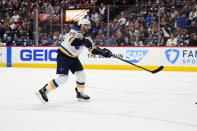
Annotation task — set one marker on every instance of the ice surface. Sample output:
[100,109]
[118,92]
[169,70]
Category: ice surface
[120,101]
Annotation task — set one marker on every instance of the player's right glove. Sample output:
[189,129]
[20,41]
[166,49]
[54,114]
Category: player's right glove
[106,53]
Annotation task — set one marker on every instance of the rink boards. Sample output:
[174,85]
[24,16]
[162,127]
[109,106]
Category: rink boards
[174,59]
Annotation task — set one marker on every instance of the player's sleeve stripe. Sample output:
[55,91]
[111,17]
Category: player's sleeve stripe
[71,40]
[66,53]
[91,50]
[80,83]
[66,50]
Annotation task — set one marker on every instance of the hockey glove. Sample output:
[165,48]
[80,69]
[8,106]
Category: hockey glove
[106,53]
[88,43]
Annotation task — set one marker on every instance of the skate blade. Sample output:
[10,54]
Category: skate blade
[82,100]
[40,98]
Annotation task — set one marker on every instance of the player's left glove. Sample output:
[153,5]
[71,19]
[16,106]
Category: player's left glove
[88,43]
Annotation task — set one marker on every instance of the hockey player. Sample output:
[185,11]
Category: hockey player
[67,59]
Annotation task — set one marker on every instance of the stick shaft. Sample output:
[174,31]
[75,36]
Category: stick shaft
[155,71]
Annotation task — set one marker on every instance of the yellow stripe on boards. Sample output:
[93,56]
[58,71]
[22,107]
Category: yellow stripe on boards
[117,67]
[2,64]
[176,68]
[34,65]
[111,67]
[130,67]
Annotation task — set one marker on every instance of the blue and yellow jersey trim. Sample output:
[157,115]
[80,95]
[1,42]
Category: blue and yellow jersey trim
[91,50]
[53,84]
[77,29]
[66,52]
[71,40]
[80,84]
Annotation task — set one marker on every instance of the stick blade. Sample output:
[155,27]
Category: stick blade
[158,69]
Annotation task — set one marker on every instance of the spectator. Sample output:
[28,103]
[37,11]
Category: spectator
[150,41]
[143,33]
[182,21]
[172,41]
[149,18]
[1,43]
[160,40]
[155,31]
[95,30]
[2,29]
[102,37]
[185,36]
[137,41]
[193,40]
[174,12]
[29,42]
[112,40]
[192,28]
[45,40]
[48,9]
[131,33]
[93,1]
[16,41]
[95,16]
[193,14]
[178,31]
[116,27]
[119,38]
[97,41]
[122,19]
[180,41]
[15,16]
[102,10]
[56,41]
[126,36]
[170,24]
[9,41]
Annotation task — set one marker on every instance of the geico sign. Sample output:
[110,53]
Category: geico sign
[38,55]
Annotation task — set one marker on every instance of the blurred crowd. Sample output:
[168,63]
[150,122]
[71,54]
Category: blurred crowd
[175,25]
[147,23]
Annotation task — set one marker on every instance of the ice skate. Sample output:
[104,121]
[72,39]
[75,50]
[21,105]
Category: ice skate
[82,97]
[42,94]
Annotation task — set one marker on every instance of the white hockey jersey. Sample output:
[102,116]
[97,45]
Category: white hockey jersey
[66,46]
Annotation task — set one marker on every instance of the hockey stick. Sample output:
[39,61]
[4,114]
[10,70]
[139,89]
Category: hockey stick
[154,71]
